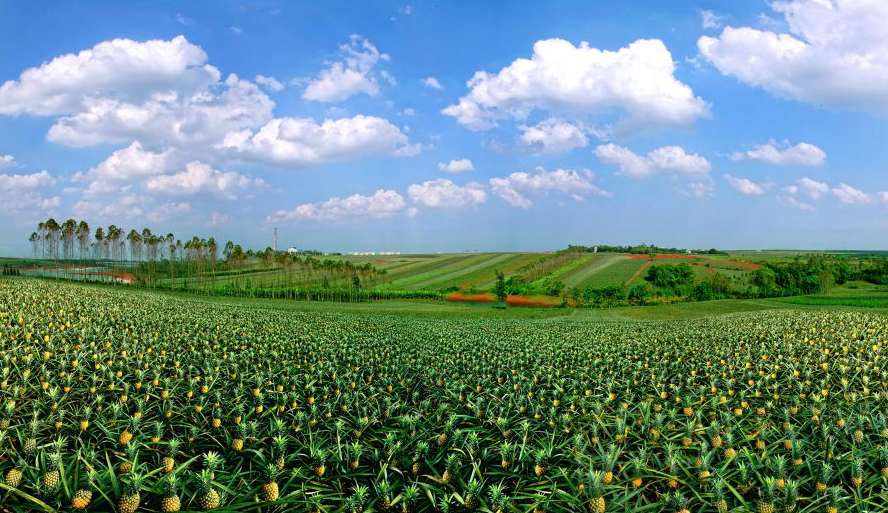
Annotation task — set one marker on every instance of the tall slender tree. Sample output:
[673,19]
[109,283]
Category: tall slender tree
[82,235]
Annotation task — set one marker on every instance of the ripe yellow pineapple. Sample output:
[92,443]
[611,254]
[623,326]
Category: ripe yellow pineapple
[83,496]
[270,491]
[130,498]
[171,501]
[595,486]
[52,476]
[14,476]
[208,497]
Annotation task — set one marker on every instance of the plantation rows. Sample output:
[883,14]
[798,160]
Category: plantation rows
[124,401]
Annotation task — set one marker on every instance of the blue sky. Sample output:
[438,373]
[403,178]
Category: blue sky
[356,126]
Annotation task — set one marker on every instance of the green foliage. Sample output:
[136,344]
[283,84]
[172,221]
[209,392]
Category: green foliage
[499,287]
[638,294]
[671,276]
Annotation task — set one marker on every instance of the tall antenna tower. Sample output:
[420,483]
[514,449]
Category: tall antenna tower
[275,240]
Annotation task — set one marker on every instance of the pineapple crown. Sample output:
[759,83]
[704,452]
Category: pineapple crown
[171,486]
[384,488]
[134,483]
[173,446]
[718,488]
[55,460]
[206,480]
[498,497]
[679,501]
[451,462]
[792,490]
[770,486]
[271,473]
[595,480]
[780,463]
[825,472]
[835,495]
[280,444]
[212,461]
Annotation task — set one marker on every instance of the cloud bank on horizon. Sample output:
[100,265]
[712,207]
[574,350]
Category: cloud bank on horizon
[362,130]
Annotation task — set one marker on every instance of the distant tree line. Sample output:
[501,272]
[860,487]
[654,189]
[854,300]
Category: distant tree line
[644,249]
[73,250]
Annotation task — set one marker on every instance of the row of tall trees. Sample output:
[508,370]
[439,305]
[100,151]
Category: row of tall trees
[74,250]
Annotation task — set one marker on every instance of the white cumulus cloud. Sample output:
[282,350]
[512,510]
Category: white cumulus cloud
[7,161]
[456,166]
[383,203]
[849,195]
[270,83]
[801,154]
[352,75]
[744,185]
[199,177]
[31,181]
[303,142]
[835,54]
[515,188]
[553,135]
[812,188]
[158,92]
[121,167]
[671,159]
[795,203]
[636,80]
[433,83]
[444,193]
[711,20]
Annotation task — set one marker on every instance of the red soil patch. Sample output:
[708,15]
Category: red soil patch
[526,301]
[481,298]
[383,261]
[638,272]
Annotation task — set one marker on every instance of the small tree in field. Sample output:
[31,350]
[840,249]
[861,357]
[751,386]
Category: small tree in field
[499,288]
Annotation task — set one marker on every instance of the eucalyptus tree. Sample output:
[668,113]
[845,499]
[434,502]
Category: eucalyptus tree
[82,235]
[34,239]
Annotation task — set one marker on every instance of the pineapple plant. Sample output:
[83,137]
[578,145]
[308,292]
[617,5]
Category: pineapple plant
[319,460]
[13,477]
[471,496]
[168,462]
[540,459]
[595,489]
[208,497]
[237,441]
[130,498]
[451,464]
[718,491]
[83,496]
[766,496]
[171,501]
[52,476]
[824,473]
[270,492]
[128,432]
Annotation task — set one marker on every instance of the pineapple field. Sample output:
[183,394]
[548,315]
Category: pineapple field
[117,400]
